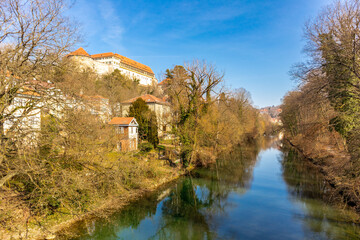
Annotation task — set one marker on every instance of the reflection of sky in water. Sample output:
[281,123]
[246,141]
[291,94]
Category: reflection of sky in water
[273,204]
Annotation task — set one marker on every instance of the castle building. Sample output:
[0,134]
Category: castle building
[104,63]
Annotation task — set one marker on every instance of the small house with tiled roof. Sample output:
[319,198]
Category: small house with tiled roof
[104,63]
[155,104]
[127,133]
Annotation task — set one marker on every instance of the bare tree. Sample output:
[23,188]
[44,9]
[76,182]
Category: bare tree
[334,47]
[192,89]
[34,36]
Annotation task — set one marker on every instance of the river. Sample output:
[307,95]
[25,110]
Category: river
[259,191]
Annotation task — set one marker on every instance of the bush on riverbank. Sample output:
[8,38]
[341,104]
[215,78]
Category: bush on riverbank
[73,171]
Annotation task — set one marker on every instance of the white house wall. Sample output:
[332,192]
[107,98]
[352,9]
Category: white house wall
[28,125]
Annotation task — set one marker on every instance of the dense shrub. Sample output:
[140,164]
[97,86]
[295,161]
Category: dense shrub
[146,147]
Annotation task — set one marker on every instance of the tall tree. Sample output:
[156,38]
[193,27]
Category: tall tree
[190,93]
[148,129]
[334,45]
[34,36]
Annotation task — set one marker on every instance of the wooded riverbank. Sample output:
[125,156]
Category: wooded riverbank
[237,198]
[65,230]
[145,173]
[321,116]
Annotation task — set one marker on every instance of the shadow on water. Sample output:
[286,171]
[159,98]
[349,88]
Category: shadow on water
[188,211]
[309,189]
[185,212]
[248,194]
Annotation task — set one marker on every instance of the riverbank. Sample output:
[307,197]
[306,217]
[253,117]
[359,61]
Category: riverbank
[141,173]
[65,230]
[337,169]
[238,198]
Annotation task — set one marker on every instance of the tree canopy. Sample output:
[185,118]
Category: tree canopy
[148,129]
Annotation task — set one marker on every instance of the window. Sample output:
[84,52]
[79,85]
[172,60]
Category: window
[119,130]
[131,130]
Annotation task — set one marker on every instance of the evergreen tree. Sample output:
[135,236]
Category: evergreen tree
[148,129]
[153,137]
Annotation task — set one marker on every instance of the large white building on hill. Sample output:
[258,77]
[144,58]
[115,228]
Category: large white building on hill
[104,63]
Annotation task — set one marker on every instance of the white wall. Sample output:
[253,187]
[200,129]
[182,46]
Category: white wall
[109,64]
[29,125]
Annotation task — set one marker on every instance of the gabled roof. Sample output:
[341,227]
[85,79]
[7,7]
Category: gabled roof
[125,60]
[166,81]
[79,52]
[122,121]
[147,98]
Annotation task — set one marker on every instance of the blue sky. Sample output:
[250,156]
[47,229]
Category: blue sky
[253,42]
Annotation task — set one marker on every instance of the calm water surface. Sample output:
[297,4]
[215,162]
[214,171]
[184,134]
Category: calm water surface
[260,191]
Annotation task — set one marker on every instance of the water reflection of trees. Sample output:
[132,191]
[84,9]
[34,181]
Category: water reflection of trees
[187,212]
[182,215]
[308,187]
[302,178]
[130,217]
[235,167]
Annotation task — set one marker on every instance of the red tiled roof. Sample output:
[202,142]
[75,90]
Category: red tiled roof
[121,120]
[125,60]
[100,55]
[147,98]
[79,52]
[165,81]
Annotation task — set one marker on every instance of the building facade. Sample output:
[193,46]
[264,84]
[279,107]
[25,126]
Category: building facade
[104,63]
[127,133]
[21,121]
[160,107]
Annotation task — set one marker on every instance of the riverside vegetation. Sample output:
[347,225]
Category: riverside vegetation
[322,117]
[71,167]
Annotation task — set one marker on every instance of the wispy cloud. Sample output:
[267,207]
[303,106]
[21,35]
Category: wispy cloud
[195,18]
[100,24]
